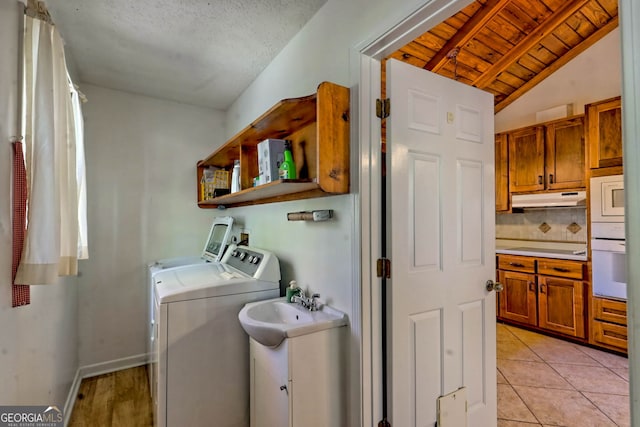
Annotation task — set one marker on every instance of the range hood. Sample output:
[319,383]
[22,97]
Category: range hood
[548,200]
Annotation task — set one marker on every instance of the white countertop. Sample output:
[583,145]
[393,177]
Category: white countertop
[558,250]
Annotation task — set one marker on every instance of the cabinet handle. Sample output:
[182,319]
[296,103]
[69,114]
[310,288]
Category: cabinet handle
[539,179]
[542,288]
[532,286]
[561,270]
[516,264]
[284,387]
[550,178]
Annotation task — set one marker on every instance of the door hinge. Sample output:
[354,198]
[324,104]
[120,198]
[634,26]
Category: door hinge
[383,108]
[383,268]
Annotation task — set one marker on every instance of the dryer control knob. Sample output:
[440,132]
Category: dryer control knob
[243,255]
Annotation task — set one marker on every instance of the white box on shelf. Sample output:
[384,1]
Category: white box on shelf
[270,155]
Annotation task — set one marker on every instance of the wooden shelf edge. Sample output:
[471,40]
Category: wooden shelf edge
[260,194]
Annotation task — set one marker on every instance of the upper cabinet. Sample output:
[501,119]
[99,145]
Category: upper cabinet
[565,154]
[526,159]
[318,128]
[604,133]
[547,157]
[502,172]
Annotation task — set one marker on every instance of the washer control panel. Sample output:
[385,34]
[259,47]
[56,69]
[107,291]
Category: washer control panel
[245,260]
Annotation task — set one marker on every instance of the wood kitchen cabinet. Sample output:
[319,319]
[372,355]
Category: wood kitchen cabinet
[526,159]
[609,324]
[502,172]
[548,157]
[604,133]
[544,293]
[565,154]
[561,305]
[518,299]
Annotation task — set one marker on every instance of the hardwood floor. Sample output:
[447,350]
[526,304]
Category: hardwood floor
[118,399]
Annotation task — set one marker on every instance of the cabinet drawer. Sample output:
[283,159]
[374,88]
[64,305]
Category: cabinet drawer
[560,268]
[609,334]
[517,263]
[610,311]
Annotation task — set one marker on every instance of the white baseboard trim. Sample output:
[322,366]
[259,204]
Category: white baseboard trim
[96,369]
[113,365]
[71,397]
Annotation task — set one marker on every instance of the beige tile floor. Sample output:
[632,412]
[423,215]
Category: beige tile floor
[544,381]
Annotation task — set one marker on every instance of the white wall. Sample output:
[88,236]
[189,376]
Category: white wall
[321,256]
[592,76]
[38,342]
[141,158]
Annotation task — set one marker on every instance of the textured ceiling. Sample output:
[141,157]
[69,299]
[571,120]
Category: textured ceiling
[192,51]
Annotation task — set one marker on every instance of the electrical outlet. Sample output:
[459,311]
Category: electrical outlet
[244,238]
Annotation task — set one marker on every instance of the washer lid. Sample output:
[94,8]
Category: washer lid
[204,281]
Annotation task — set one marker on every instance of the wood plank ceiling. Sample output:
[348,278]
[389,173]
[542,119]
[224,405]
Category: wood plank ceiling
[506,47]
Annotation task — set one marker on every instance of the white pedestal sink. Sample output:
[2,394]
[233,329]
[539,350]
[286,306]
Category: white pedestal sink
[271,321]
[297,364]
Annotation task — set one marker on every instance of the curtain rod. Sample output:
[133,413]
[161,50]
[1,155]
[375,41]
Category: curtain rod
[38,10]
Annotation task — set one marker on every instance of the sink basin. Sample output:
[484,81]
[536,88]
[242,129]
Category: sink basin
[271,321]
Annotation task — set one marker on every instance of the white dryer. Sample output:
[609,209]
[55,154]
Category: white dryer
[200,366]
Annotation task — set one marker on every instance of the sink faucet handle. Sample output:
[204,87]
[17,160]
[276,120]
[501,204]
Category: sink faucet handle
[313,304]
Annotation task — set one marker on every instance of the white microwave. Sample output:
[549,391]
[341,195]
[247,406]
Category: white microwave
[607,198]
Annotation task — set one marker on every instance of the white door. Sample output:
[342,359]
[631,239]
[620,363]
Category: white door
[441,231]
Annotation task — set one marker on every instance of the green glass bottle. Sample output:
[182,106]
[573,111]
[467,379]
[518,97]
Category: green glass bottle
[287,168]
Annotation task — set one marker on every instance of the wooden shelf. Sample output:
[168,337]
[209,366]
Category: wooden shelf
[275,191]
[318,128]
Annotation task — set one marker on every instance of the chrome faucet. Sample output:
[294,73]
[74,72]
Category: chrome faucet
[309,303]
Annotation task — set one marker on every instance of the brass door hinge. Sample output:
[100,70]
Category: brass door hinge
[383,108]
[383,268]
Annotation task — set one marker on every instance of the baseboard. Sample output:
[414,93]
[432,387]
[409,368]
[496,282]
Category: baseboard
[96,369]
[71,397]
[89,371]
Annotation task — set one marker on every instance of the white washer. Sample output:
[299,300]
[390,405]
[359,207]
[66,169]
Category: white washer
[217,242]
[200,364]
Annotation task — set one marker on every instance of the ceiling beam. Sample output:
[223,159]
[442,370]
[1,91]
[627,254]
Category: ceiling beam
[552,68]
[527,43]
[467,32]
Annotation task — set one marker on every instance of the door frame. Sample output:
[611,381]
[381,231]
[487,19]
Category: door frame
[365,71]
[365,68]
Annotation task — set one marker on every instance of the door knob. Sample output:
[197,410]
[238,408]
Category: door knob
[494,286]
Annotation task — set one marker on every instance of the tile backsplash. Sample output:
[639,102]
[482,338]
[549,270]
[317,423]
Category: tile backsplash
[553,224]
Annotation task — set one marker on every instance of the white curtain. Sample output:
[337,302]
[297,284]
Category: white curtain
[56,233]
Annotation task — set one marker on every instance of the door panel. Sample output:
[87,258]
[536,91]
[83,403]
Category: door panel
[441,231]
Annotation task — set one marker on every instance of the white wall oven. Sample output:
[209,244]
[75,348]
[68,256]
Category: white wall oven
[608,246]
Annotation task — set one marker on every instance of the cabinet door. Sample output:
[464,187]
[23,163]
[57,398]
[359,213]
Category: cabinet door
[502,172]
[561,304]
[270,385]
[518,298]
[526,159]
[604,133]
[565,155]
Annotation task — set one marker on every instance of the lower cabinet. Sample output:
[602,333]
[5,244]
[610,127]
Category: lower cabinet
[562,306]
[301,382]
[518,299]
[546,293]
[609,324]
